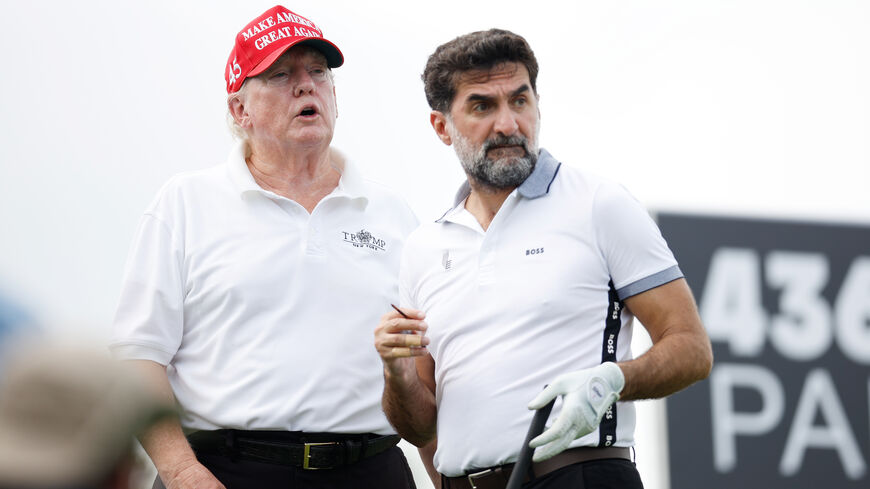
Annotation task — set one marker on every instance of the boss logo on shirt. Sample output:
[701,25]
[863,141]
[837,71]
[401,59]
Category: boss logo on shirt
[364,239]
[534,251]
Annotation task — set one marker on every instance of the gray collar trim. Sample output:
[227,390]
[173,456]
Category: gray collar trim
[536,185]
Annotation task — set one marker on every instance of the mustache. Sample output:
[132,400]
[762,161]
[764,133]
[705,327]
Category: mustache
[506,141]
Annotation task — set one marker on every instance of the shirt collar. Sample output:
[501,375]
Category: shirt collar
[351,184]
[536,185]
[352,181]
[238,170]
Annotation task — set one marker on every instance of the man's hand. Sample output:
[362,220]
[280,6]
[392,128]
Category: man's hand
[192,476]
[399,337]
[587,395]
[409,375]
[165,442]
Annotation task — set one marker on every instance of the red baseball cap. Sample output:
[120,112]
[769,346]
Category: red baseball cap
[267,37]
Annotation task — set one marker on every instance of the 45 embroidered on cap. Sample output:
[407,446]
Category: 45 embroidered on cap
[267,37]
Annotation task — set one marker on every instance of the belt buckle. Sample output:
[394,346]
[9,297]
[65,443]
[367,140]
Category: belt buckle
[471,477]
[306,455]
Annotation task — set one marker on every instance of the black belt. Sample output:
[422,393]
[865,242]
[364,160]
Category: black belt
[497,477]
[310,451]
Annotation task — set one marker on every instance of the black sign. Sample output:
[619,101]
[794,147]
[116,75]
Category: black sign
[787,307]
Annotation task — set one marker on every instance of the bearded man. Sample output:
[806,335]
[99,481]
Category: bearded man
[532,278]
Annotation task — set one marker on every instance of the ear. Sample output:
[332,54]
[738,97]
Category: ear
[439,123]
[237,110]
[335,99]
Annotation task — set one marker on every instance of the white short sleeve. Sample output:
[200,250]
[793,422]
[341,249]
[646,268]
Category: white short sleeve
[637,256]
[149,319]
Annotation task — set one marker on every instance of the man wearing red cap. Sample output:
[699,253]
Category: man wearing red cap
[252,286]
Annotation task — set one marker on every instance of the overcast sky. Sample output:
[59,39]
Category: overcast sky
[748,107]
[752,107]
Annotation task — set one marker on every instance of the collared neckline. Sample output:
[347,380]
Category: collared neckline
[352,179]
[536,185]
[350,184]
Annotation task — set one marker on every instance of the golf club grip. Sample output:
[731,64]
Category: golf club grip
[524,461]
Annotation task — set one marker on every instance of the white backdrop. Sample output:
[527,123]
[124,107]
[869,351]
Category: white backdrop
[756,107]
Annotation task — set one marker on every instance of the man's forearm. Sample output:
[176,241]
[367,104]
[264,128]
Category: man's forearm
[681,353]
[427,454]
[673,364]
[409,406]
[168,448]
[165,442]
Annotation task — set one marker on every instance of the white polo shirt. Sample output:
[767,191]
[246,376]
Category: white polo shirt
[536,295]
[264,313]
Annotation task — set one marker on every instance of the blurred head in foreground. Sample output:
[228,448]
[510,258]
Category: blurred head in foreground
[68,418]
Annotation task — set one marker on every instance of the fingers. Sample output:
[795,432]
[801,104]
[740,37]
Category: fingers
[415,340]
[392,323]
[413,313]
[402,345]
[401,337]
[558,430]
[393,351]
[404,352]
[405,312]
[551,450]
[548,394]
[554,440]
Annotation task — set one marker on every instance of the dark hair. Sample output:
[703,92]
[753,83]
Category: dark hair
[482,50]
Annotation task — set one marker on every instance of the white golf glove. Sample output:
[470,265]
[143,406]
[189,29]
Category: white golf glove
[587,395]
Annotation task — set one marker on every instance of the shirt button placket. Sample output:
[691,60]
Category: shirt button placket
[486,271]
[314,243]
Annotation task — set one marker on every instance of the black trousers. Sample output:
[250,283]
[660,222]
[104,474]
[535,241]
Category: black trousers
[386,470]
[610,473]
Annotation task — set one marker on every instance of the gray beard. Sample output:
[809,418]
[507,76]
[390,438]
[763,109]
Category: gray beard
[500,174]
